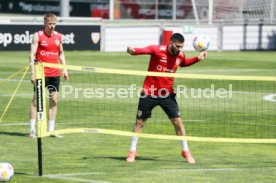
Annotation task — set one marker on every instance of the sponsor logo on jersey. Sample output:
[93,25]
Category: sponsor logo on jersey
[164,69]
[48,53]
[170,70]
[159,67]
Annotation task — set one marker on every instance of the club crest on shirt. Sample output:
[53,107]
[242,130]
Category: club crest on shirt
[139,113]
[177,61]
[95,37]
[57,42]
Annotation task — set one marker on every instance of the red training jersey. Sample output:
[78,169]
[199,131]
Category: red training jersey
[162,61]
[48,51]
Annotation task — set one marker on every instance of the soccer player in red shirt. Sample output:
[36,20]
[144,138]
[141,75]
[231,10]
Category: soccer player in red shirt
[158,91]
[47,47]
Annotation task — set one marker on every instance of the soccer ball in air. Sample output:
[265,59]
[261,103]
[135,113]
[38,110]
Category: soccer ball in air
[6,172]
[201,42]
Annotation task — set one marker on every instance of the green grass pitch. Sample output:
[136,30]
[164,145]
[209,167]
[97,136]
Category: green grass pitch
[101,158]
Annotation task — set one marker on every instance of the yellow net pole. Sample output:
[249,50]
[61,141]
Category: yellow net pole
[41,100]
[41,110]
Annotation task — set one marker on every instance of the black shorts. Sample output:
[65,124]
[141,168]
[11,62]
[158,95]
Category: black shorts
[147,103]
[52,83]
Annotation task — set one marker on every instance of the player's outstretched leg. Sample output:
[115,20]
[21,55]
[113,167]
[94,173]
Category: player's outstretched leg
[180,131]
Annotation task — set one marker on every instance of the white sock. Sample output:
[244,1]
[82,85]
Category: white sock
[51,125]
[32,124]
[134,141]
[184,145]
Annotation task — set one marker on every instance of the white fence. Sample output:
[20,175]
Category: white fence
[117,35]
[224,38]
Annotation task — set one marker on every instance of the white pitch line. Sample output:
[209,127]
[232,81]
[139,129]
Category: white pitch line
[17,95]
[68,123]
[14,124]
[15,80]
[200,170]
[208,169]
[68,177]
[259,124]
[75,179]
[73,174]
[59,123]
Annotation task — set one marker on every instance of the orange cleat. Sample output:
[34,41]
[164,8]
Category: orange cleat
[188,156]
[131,156]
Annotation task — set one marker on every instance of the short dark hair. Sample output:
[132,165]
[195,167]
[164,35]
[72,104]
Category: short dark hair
[177,37]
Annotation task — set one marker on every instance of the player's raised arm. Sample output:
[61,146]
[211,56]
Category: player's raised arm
[202,55]
[190,61]
[152,49]
[130,50]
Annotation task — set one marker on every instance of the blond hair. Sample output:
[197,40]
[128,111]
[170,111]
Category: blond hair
[47,16]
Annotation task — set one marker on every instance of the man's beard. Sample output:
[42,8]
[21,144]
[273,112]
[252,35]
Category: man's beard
[174,51]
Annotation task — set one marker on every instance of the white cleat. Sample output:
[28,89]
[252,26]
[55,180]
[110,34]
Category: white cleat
[32,134]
